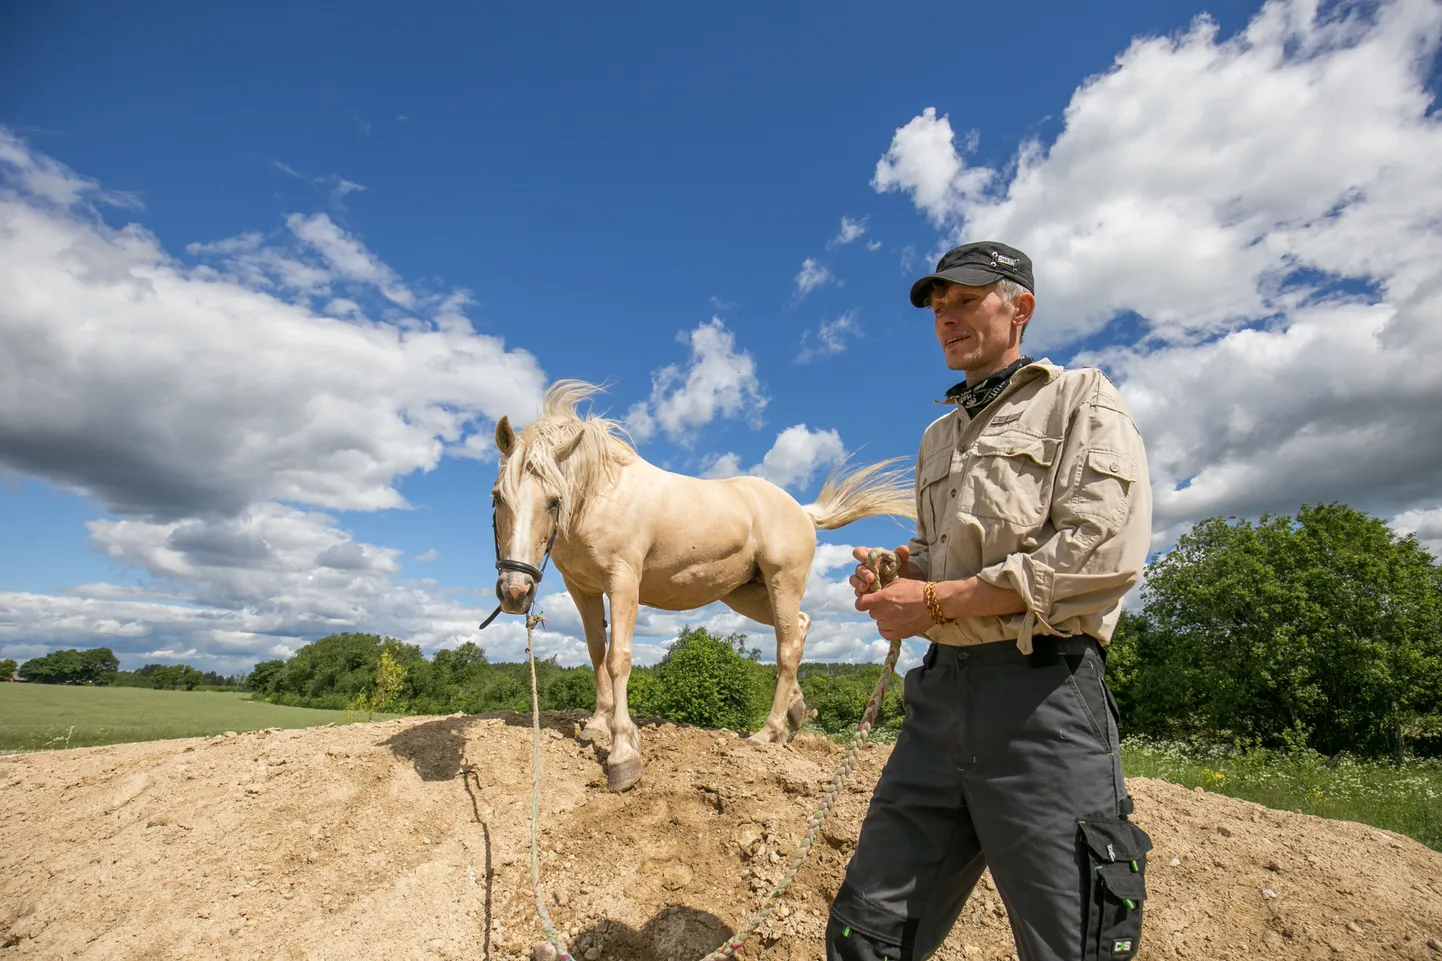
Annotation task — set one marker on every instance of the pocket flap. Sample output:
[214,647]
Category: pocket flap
[935,468]
[1113,463]
[1038,449]
[1113,839]
[1123,882]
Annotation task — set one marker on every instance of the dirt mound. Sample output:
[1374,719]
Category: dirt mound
[409,839]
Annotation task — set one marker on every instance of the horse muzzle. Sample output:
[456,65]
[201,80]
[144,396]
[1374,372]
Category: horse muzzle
[515,591]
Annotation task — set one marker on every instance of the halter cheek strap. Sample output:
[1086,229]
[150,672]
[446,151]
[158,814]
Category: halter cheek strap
[520,567]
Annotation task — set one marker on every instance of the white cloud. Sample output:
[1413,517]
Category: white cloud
[829,338]
[1426,524]
[44,179]
[719,381]
[850,230]
[813,274]
[429,555]
[336,185]
[1268,206]
[1194,177]
[347,257]
[791,462]
[923,160]
[173,391]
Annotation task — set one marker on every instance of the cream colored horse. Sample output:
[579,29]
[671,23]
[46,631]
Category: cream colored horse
[629,533]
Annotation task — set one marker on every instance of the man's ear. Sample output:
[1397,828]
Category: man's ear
[505,437]
[1022,308]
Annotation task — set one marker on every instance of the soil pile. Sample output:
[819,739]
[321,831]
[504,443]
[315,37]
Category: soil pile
[409,839]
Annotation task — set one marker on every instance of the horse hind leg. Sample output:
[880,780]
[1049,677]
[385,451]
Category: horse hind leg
[788,707]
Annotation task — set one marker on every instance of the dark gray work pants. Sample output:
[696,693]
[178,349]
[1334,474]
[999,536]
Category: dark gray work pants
[1009,762]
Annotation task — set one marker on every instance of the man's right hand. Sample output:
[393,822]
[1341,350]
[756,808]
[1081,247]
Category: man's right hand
[864,576]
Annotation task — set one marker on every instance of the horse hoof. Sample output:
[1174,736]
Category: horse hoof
[595,735]
[624,775]
[761,739]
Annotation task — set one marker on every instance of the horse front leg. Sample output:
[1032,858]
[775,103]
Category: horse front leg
[592,608]
[623,763]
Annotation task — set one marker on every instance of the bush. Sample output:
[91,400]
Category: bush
[706,680]
[839,694]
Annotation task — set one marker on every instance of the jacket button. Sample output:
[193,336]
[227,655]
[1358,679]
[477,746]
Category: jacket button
[953,492]
[1041,508]
[1116,466]
[943,538]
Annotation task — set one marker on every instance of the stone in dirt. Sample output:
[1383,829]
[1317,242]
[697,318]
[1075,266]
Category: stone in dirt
[663,871]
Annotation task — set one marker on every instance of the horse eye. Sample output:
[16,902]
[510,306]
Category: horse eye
[553,503]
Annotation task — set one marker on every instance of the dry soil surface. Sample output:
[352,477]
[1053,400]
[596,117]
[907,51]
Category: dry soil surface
[409,839]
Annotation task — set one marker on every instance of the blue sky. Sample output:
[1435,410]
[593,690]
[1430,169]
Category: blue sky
[198,408]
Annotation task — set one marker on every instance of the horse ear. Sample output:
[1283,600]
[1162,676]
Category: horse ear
[505,437]
[569,448]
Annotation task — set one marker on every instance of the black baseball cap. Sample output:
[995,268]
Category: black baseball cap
[976,265]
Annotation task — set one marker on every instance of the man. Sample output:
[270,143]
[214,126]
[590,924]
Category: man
[1033,521]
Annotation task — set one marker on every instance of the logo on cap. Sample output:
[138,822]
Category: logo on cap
[1002,259]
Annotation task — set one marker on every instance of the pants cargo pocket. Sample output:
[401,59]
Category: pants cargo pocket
[1114,855]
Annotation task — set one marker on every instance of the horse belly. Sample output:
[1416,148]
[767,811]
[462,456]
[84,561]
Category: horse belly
[684,587]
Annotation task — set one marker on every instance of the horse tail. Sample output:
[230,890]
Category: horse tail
[870,491]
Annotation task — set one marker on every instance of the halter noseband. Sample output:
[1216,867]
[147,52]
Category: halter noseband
[520,567]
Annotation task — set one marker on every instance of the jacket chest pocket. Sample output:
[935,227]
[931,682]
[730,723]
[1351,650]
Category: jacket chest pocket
[1009,477]
[935,491]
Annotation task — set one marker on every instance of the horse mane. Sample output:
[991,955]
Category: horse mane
[570,455]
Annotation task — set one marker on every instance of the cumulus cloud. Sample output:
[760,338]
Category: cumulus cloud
[169,389]
[1199,181]
[829,338]
[718,381]
[813,274]
[219,408]
[850,230]
[1266,208]
[792,461]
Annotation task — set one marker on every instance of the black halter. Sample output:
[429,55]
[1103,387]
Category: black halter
[520,567]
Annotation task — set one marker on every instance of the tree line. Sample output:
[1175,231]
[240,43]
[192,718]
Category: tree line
[99,667]
[703,679]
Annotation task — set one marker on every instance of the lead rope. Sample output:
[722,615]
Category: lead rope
[884,565]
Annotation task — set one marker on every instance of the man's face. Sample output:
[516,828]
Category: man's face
[975,326]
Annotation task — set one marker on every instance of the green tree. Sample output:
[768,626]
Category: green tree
[69,666]
[1319,631]
[261,675]
[839,694]
[708,681]
[8,667]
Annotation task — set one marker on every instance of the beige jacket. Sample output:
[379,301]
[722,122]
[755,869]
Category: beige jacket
[1046,493]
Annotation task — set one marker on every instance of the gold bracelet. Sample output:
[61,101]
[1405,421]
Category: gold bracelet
[933,607]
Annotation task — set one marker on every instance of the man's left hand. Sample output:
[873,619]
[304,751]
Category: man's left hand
[898,609]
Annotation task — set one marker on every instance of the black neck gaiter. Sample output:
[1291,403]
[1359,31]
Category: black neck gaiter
[974,400]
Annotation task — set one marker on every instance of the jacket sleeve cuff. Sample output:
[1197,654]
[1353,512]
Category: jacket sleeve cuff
[1031,579]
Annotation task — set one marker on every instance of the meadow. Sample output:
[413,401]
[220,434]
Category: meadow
[41,716]
[1405,798]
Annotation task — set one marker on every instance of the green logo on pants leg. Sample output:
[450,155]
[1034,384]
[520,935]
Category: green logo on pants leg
[1122,946]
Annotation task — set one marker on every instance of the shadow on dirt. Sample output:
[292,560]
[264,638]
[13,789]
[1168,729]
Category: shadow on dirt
[436,748]
[676,933]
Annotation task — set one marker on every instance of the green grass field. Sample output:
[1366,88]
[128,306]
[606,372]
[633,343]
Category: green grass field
[38,716]
[1405,798]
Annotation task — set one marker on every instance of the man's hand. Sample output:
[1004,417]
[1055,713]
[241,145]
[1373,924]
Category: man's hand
[864,576]
[898,609]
